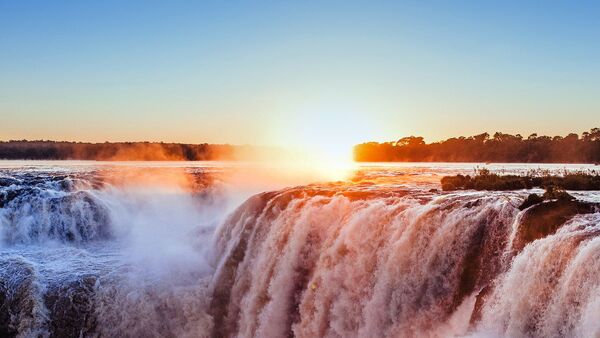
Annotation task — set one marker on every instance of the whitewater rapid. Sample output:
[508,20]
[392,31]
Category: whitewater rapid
[173,253]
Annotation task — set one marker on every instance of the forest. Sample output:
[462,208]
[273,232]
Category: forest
[120,151]
[497,148]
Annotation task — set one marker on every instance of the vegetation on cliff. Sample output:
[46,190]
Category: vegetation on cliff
[485,180]
[543,214]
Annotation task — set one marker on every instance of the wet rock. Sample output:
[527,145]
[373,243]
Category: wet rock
[532,199]
[472,204]
[553,193]
[7,181]
[7,196]
[71,307]
[480,302]
[20,310]
[546,218]
[472,273]
[482,261]
[455,182]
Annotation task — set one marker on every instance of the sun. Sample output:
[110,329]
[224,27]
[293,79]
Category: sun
[327,135]
[321,139]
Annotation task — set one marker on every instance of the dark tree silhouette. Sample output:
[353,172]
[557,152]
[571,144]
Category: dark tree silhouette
[482,148]
[133,151]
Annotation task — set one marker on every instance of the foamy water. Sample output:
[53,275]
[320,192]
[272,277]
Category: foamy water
[226,249]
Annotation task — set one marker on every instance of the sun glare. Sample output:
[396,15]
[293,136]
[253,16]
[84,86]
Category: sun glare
[325,135]
[323,139]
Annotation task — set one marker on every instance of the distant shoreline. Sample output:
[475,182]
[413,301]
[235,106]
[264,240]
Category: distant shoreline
[483,148]
[130,151]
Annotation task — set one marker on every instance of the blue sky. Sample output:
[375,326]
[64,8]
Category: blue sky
[275,72]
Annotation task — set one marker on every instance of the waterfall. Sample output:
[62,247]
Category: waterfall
[81,257]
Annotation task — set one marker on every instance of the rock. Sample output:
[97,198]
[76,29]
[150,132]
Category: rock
[71,307]
[7,196]
[553,193]
[546,218]
[532,199]
[18,301]
[479,303]
[455,182]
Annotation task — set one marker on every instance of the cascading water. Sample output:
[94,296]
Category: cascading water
[324,264]
[82,254]
[382,255]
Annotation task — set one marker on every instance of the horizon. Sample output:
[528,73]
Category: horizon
[484,147]
[491,134]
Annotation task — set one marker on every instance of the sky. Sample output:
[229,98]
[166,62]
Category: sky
[296,72]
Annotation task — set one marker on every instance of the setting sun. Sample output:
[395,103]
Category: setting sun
[326,133]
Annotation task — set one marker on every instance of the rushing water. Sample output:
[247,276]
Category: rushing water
[218,249]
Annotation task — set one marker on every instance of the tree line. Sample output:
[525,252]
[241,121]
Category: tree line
[119,151]
[499,148]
